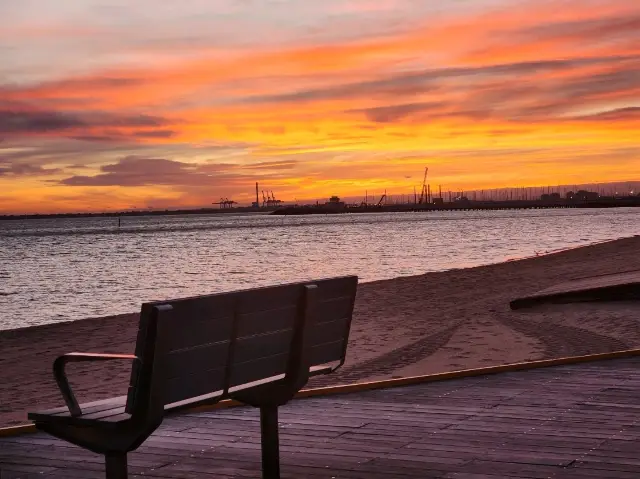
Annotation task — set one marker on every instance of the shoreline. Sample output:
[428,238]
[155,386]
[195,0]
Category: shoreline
[508,260]
[407,326]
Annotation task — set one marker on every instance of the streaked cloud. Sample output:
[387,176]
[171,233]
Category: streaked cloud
[25,169]
[141,171]
[13,122]
[619,114]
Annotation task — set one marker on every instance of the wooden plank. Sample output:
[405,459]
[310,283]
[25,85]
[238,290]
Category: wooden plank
[250,371]
[189,361]
[201,320]
[111,416]
[267,299]
[267,320]
[331,331]
[199,383]
[190,332]
[89,407]
[253,348]
[507,469]
[334,308]
[326,352]
[336,287]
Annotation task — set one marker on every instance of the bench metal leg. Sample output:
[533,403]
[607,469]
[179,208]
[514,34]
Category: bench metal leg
[116,463]
[270,447]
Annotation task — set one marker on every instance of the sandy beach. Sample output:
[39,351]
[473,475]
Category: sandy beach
[407,326]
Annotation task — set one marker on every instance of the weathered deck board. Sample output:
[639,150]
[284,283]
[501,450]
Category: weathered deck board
[575,422]
[609,287]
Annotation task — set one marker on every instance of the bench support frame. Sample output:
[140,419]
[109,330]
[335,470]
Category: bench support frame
[116,465]
[270,442]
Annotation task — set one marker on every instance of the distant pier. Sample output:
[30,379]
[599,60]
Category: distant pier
[468,205]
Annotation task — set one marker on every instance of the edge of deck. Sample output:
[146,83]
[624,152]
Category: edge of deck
[392,383]
[622,286]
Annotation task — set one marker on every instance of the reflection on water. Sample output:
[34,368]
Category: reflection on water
[61,269]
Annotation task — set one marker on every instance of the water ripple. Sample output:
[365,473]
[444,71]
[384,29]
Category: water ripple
[71,268]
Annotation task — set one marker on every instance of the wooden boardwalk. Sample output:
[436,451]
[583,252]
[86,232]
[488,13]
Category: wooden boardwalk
[608,287]
[577,421]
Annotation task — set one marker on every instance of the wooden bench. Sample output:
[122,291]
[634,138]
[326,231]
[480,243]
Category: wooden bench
[258,346]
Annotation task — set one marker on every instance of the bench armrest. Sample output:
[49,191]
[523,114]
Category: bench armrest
[61,378]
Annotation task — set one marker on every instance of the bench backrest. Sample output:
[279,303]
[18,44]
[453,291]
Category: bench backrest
[196,349]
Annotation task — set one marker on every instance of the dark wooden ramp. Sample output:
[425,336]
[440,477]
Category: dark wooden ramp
[611,287]
[578,421]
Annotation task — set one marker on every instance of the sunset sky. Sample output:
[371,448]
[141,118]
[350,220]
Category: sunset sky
[115,104]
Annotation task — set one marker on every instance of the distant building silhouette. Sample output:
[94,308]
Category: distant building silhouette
[550,197]
[334,202]
[582,195]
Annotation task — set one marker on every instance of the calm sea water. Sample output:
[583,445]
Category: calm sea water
[65,269]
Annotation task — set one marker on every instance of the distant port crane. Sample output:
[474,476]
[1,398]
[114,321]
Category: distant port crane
[424,194]
[225,203]
[272,201]
[269,200]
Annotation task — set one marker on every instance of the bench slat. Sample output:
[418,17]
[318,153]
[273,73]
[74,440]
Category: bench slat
[261,368]
[211,397]
[106,414]
[336,287]
[262,345]
[91,411]
[183,361]
[329,332]
[90,406]
[116,418]
[334,308]
[192,331]
[196,381]
[267,320]
[267,299]
[326,353]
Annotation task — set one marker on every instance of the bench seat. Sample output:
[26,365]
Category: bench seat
[110,410]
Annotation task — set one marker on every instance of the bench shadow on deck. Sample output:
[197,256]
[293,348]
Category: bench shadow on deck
[574,421]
